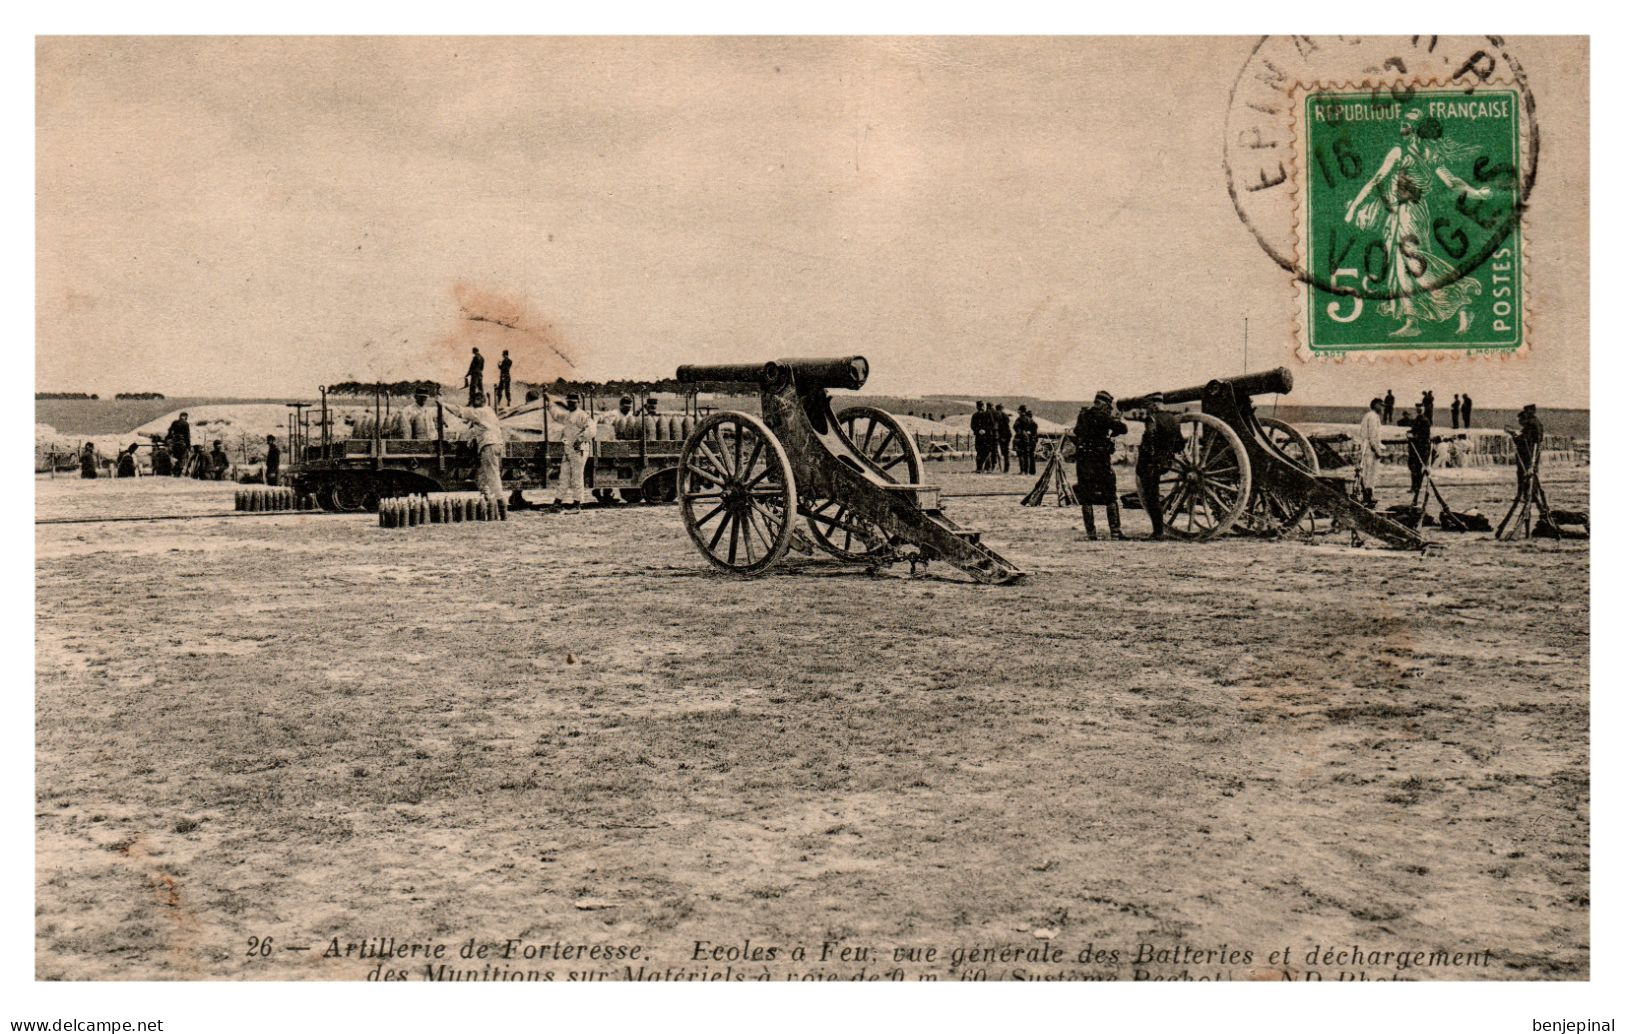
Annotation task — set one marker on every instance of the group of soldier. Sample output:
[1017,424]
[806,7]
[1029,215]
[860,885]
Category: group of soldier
[176,456]
[1420,440]
[994,435]
[1461,410]
[474,379]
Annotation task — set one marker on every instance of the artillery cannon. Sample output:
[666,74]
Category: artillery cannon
[856,478]
[1238,467]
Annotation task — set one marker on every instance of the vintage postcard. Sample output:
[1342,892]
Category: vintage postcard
[839,509]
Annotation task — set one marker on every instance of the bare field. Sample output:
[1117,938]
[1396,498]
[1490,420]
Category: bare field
[304,727]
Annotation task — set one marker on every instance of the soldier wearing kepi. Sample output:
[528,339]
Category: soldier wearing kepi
[1368,436]
[485,431]
[1526,442]
[475,379]
[505,379]
[576,433]
[180,443]
[1097,426]
[1159,446]
[418,421]
[1026,439]
[1419,449]
[1001,436]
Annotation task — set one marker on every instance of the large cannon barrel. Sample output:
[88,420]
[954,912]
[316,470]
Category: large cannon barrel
[1265,382]
[848,372]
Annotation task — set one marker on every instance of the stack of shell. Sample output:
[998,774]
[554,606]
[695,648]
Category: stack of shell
[266,500]
[440,508]
[661,428]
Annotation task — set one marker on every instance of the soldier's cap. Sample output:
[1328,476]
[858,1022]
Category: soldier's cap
[1529,408]
[1155,396]
[1103,398]
[421,393]
[572,397]
[626,398]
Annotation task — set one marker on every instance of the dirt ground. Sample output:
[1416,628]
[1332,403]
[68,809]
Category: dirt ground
[301,728]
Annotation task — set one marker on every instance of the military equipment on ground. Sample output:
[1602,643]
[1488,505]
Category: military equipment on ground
[1238,468]
[855,478]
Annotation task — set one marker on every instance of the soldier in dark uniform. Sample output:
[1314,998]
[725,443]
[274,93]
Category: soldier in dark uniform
[978,430]
[180,443]
[88,460]
[1001,436]
[1466,410]
[1026,439]
[1159,446]
[1419,450]
[1097,484]
[219,462]
[1527,442]
[475,377]
[273,459]
[504,379]
[1455,412]
[1388,407]
[162,464]
[126,462]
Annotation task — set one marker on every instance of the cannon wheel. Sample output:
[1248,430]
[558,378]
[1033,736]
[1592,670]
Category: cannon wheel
[738,493]
[1208,486]
[877,435]
[1273,512]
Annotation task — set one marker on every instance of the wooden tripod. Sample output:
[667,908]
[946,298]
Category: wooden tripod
[1529,508]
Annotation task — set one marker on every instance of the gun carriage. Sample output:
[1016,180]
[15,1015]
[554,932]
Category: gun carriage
[1239,468]
[855,478]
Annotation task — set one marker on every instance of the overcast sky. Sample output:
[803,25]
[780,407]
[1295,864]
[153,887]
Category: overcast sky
[1045,217]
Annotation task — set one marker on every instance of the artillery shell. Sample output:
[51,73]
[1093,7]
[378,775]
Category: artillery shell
[238,502]
[482,508]
[502,509]
[383,515]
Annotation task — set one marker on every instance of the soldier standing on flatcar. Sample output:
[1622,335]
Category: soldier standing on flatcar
[475,379]
[1160,444]
[505,379]
[418,420]
[1097,484]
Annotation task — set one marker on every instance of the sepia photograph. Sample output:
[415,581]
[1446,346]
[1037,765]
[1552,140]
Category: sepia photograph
[951,509]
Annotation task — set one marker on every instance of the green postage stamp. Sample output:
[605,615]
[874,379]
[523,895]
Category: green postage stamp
[1409,221]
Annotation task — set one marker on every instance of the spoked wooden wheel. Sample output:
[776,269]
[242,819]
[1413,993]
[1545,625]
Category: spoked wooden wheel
[1207,487]
[1273,512]
[737,492]
[878,436]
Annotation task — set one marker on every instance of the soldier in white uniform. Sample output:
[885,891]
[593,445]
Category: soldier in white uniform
[485,431]
[576,432]
[418,419]
[1369,438]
